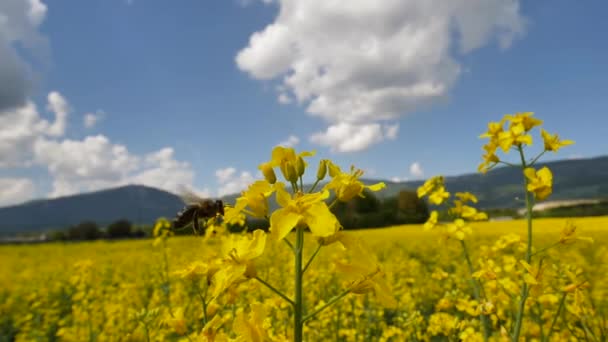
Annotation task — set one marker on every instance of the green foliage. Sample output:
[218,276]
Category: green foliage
[119,229]
[86,230]
[581,210]
[371,212]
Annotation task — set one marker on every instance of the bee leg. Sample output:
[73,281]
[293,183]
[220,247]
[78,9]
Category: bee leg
[195,226]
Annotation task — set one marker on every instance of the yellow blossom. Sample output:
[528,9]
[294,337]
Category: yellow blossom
[287,160]
[366,275]
[552,142]
[432,221]
[346,186]
[251,328]
[459,229]
[255,199]
[238,253]
[539,182]
[306,209]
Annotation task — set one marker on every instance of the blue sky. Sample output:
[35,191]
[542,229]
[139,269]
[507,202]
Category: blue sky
[182,94]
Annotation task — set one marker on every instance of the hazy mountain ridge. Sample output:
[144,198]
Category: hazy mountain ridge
[573,179]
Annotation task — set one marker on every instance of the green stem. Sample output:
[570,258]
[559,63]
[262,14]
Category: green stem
[301,184]
[203,302]
[298,306]
[537,157]
[477,291]
[555,318]
[546,248]
[312,257]
[314,186]
[524,290]
[289,244]
[326,305]
[273,289]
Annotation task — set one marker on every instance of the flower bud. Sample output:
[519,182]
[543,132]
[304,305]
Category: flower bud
[268,173]
[322,171]
[300,166]
[289,172]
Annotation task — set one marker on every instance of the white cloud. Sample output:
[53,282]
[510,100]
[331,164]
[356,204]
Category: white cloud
[347,137]
[21,127]
[96,163]
[15,190]
[91,119]
[224,175]
[20,45]
[416,170]
[399,179]
[92,163]
[61,108]
[231,182]
[284,99]
[291,141]
[362,62]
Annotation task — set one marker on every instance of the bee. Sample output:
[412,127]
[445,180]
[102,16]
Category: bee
[197,208]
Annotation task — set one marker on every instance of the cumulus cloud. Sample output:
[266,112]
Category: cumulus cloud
[291,141]
[21,127]
[15,190]
[416,170]
[19,23]
[364,62]
[232,182]
[399,179]
[91,119]
[93,163]
[348,137]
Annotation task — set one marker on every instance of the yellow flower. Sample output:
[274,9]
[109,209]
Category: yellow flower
[432,221]
[197,270]
[238,252]
[568,234]
[255,198]
[490,158]
[459,229]
[438,196]
[305,209]
[290,163]
[365,275]
[252,328]
[430,185]
[552,142]
[466,197]
[494,129]
[524,119]
[515,136]
[533,275]
[347,185]
[268,173]
[211,331]
[539,182]
[177,321]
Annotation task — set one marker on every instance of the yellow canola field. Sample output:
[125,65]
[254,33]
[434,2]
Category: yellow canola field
[134,291]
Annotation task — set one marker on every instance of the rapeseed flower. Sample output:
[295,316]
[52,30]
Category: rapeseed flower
[347,186]
[306,209]
[539,182]
[552,141]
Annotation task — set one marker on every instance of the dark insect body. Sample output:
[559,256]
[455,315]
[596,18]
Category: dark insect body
[198,209]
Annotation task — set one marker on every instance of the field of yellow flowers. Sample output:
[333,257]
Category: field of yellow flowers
[455,278]
[110,291]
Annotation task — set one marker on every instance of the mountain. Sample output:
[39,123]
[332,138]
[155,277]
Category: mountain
[499,188]
[502,188]
[136,203]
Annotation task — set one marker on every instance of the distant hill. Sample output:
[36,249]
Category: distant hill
[136,203]
[499,188]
